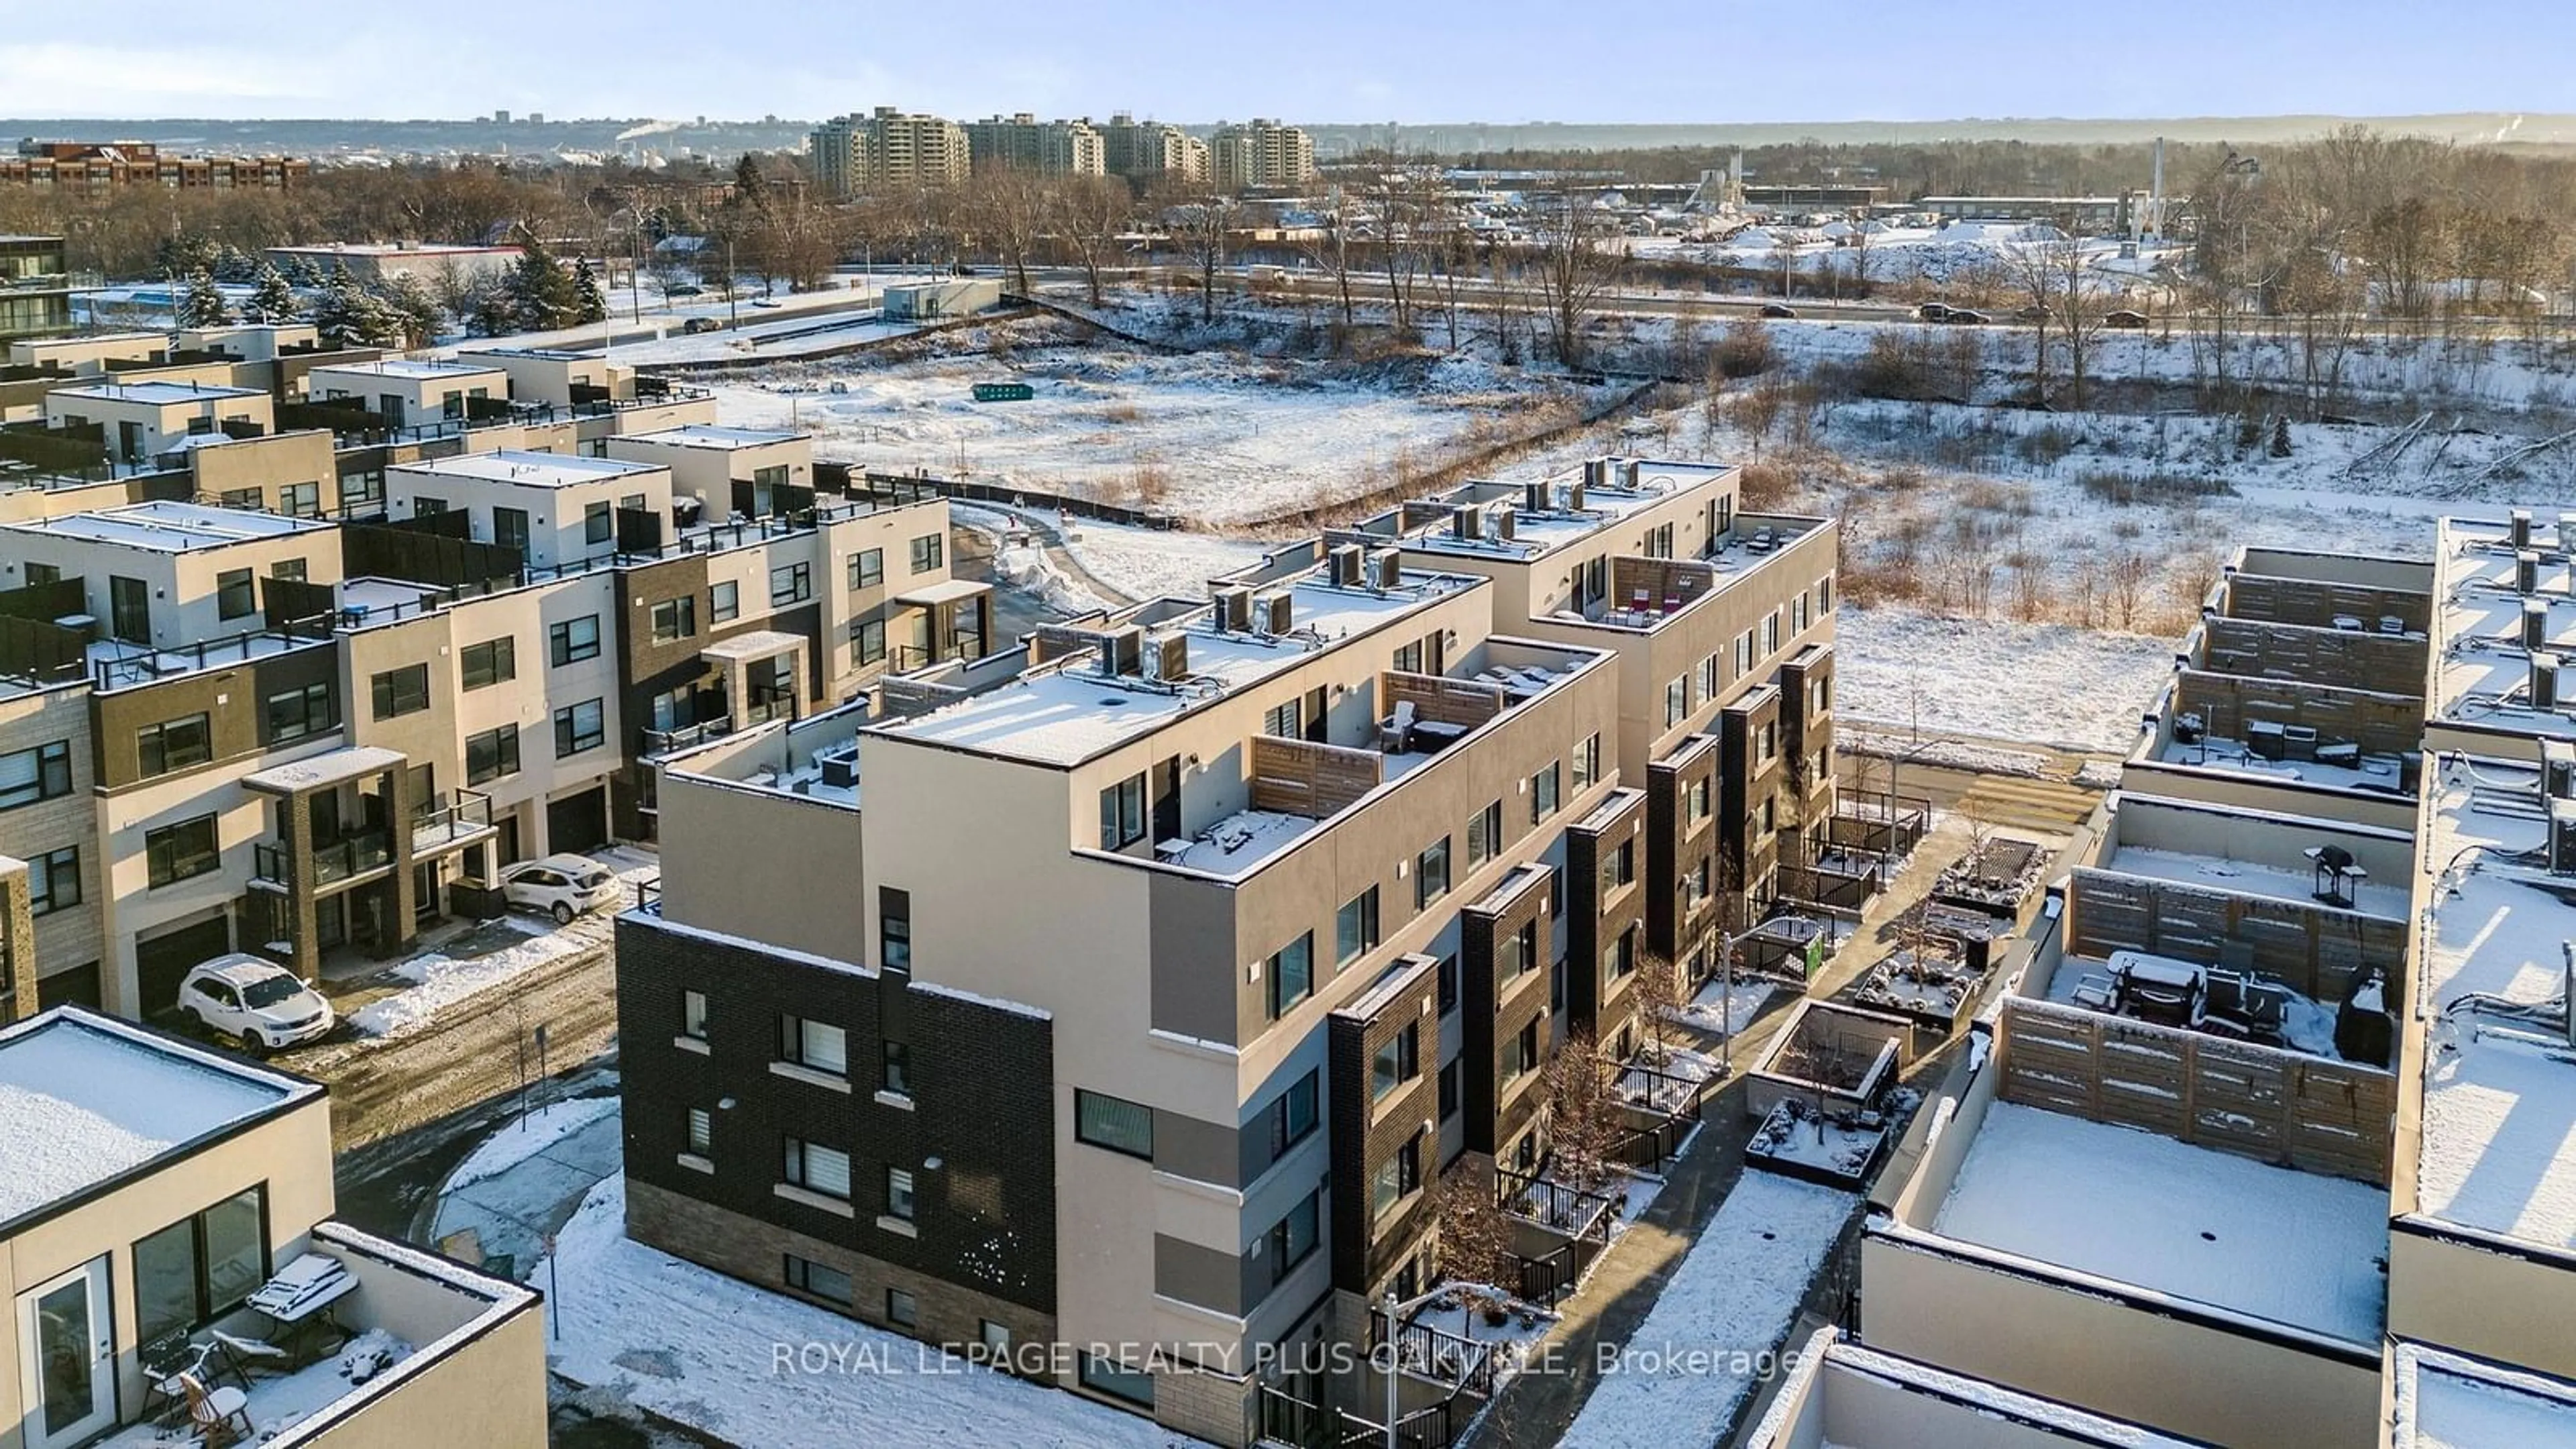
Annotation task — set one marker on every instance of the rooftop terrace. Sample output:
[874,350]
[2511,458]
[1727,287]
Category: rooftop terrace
[714,436]
[532,470]
[169,527]
[416,368]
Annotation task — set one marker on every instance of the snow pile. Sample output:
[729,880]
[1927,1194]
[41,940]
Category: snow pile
[440,981]
[768,1372]
[1721,1011]
[2194,1223]
[2046,684]
[1713,1333]
[527,1136]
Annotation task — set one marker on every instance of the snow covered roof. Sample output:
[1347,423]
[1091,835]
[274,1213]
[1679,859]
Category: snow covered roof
[169,526]
[2446,1401]
[2482,670]
[2187,1222]
[534,470]
[409,367]
[1540,532]
[331,767]
[85,1100]
[154,394]
[1910,1403]
[716,436]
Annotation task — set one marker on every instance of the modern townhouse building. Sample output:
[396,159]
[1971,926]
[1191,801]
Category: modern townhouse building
[143,420]
[35,287]
[232,725]
[1172,955]
[727,471]
[1722,623]
[248,341]
[1150,151]
[405,391]
[1046,148]
[154,1188]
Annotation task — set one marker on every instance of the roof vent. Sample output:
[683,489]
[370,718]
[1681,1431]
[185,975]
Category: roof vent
[2526,572]
[2535,624]
[2521,526]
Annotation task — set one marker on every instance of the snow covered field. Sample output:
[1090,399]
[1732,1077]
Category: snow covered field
[1211,437]
[765,1371]
[2048,684]
[1713,1334]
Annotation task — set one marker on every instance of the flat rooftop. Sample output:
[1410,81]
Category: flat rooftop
[2481,669]
[531,470]
[169,527]
[2498,1152]
[154,394]
[1065,711]
[2251,878]
[85,1100]
[409,367]
[540,354]
[713,435]
[1536,532]
[2187,1222]
[1865,1399]
[2446,1401]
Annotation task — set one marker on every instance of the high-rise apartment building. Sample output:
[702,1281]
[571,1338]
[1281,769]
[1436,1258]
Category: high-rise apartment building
[1047,148]
[886,148]
[1148,151]
[1260,153]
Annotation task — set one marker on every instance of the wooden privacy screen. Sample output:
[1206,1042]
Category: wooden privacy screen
[1300,777]
[2261,1102]
[1441,700]
[2382,724]
[1658,580]
[2337,658]
[2315,950]
[2307,601]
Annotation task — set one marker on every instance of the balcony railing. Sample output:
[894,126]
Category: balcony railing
[434,825]
[340,860]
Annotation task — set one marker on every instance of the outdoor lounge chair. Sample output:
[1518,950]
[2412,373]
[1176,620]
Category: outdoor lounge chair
[1395,733]
[219,1415]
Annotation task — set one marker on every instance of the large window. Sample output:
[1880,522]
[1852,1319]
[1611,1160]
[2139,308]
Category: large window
[494,661]
[177,852]
[1293,1237]
[1292,1116]
[724,601]
[814,1045]
[1587,761]
[693,1015]
[1431,874]
[401,691]
[1355,927]
[510,528]
[867,642]
[1543,792]
[492,754]
[580,727]
[295,713]
[1516,955]
[574,640]
[53,880]
[675,619]
[824,1170]
[597,526]
[867,568]
[894,929]
[793,584]
[1104,1375]
[176,744]
[1290,975]
[1398,1178]
[897,1075]
[1520,1052]
[200,1268]
[929,551]
[43,773]
[1677,701]
[236,597]
[1286,721]
[809,1277]
[1396,1063]
[1122,813]
[1619,867]
[1120,1126]
[1485,835]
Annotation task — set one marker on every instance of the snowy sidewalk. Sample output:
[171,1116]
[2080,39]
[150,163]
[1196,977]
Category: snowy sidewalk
[524,1181]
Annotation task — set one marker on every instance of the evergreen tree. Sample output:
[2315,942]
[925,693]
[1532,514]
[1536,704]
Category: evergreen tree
[486,307]
[232,264]
[542,289]
[590,304]
[2281,436]
[201,305]
[348,315]
[412,310]
[183,255]
[271,298]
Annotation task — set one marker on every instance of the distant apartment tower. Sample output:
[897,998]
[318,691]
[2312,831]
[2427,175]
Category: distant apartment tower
[887,147]
[1025,143]
[1261,153]
[1145,151]
[92,166]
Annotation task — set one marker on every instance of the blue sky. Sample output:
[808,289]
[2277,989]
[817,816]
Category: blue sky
[1324,60]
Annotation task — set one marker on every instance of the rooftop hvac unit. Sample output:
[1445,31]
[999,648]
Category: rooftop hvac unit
[1504,522]
[1233,609]
[2526,572]
[1346,565]
[2544,680]
[2558,769]
[1169,657]
[1468,521]
[2567,534]
[2535,624]
[1278,613]
[2562,837]
[840,770]
[1534,496]
[1574,496]
[1635,471]
[1596,473]
[2521,525]
[1122,651]
[1386,568]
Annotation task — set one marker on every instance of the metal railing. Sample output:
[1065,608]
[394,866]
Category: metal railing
[434,824]
[1284,1419]
[1573,1211]
[1437,1354]
[340,860]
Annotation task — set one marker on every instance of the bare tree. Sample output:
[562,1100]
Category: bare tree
[1475,1234]
[1092,213]
[1574,267]
[1659,996]
[1012,206]
[1330,250]
[1584,1123]
[1200,228]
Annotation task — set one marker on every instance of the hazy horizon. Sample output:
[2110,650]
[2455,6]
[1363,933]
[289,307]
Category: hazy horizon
[1509,62]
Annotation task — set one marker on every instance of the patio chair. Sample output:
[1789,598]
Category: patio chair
[1395,733]
[165,1362]
[220,1416]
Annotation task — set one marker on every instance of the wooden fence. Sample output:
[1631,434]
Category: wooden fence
[2316,950]
[1441,700]
[2382,724]
[2310,601]
[1302,777]
[2386,663]
[2267,1103]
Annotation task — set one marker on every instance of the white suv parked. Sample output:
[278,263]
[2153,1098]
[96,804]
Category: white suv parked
[255,1002]
[563,886]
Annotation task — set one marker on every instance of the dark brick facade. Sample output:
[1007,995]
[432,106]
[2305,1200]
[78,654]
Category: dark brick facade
[1496,1011]
[982,1107]
[1679,846]
[1807,730]
[1596,914]
[1749,780]
[1367,1132]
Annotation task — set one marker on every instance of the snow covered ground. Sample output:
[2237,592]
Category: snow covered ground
[2292,1247]
[2049,684]
[1214,437]
[1716,1330]
[765,1371]
[527,1136]
[1721,1011]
